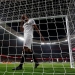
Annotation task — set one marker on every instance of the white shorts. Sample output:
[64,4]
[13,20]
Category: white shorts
[27,41]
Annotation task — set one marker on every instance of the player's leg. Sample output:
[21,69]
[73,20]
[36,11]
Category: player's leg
[33,57]
[24,55]
[22,60]
[28,51]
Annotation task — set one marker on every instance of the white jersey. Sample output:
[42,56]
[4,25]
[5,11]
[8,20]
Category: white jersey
[28,28]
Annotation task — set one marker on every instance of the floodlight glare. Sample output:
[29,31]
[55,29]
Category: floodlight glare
[21,38]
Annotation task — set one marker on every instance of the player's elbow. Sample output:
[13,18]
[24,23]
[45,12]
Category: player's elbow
[21,29]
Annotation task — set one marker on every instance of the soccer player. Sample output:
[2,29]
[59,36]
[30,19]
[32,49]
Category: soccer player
[27,25]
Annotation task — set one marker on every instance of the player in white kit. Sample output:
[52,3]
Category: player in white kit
[27,25]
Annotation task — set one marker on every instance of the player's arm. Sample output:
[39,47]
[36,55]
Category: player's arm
[21,26]
[38,31]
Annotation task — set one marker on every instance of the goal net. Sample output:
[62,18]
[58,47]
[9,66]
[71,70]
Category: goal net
[55,20]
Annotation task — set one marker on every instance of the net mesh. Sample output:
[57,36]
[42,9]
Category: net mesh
[50,17]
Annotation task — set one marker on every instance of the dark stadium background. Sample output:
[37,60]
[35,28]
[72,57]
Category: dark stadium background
[13,46]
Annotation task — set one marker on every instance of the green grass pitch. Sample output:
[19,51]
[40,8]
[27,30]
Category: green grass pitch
[45,68]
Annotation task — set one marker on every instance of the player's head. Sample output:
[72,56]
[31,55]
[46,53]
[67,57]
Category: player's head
[25,17]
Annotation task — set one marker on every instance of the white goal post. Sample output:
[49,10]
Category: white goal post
[69,38]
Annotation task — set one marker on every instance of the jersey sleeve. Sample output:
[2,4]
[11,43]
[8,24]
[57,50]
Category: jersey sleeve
[32,22]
